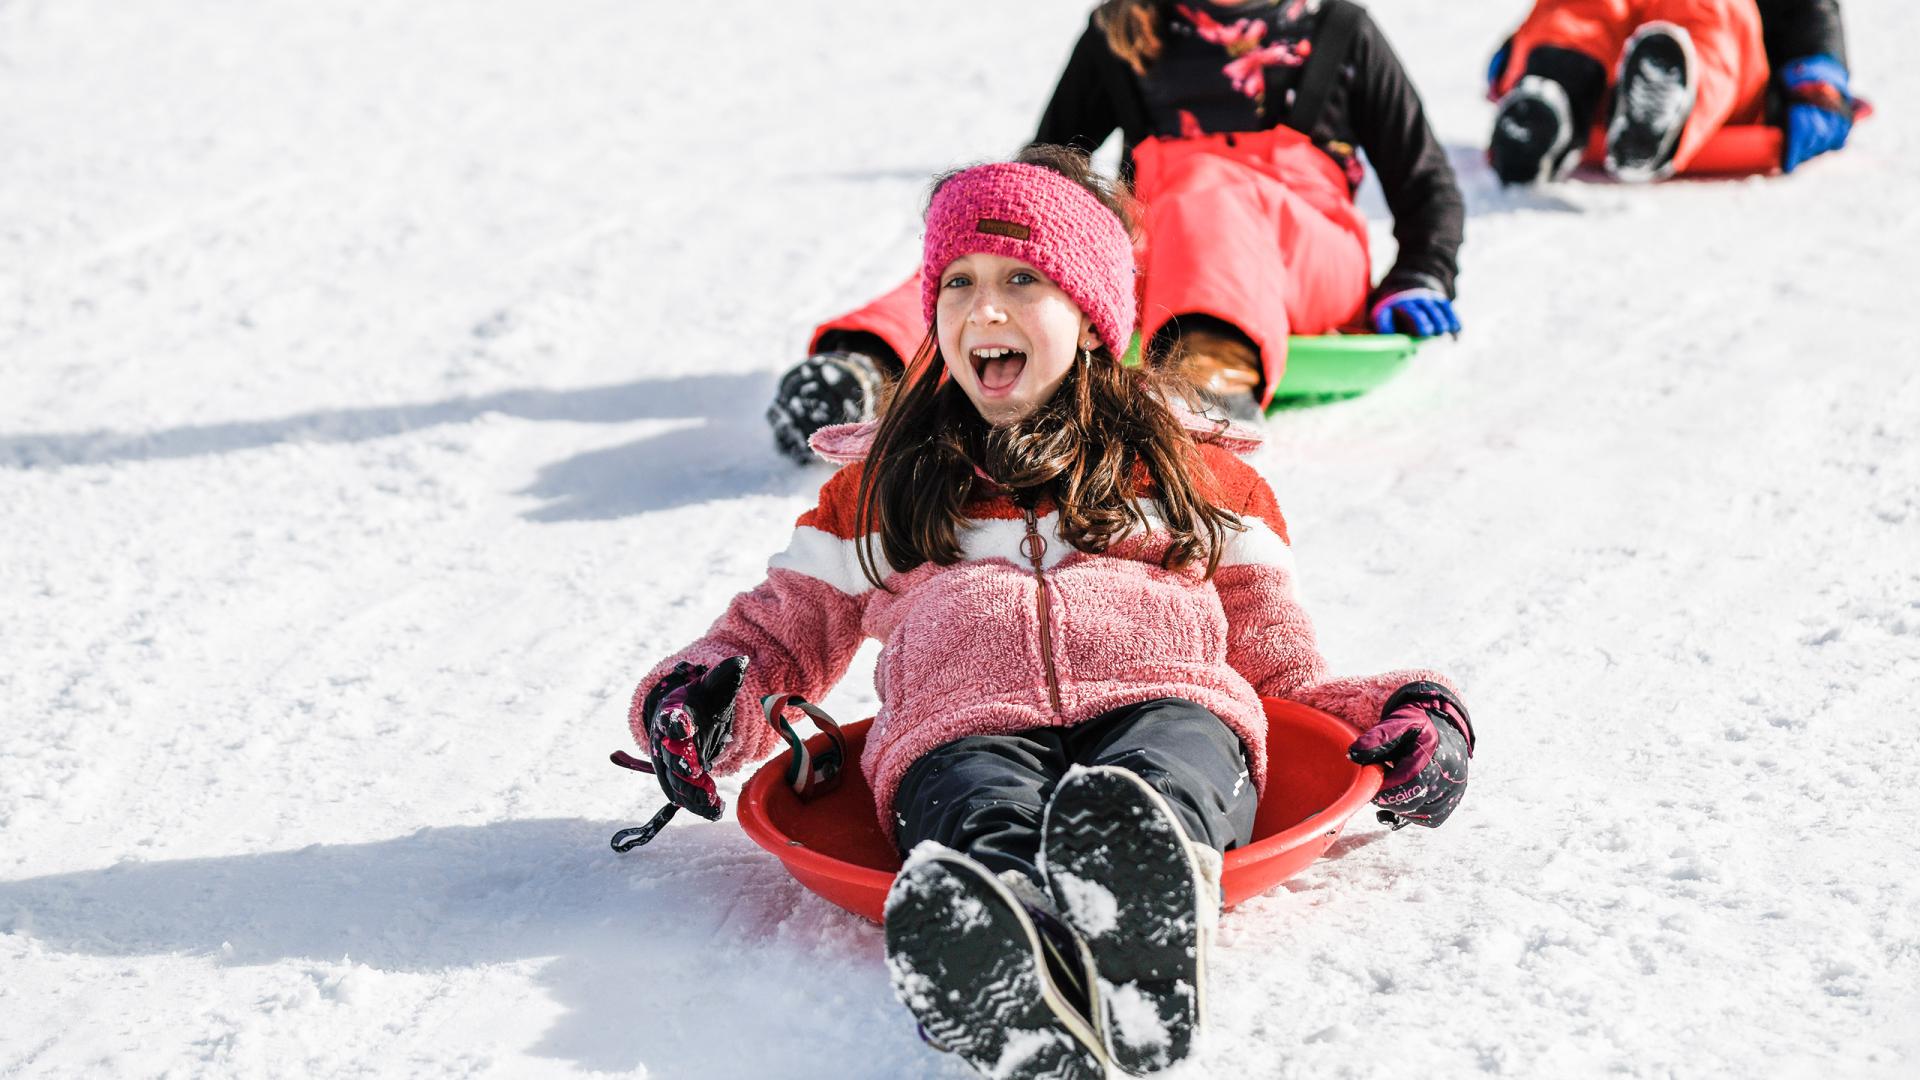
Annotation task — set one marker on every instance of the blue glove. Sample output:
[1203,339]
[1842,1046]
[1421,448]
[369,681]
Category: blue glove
[1420,312]
[1819,112]
[1497,67]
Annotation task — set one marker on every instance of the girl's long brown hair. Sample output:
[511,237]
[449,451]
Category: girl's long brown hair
[1108,437]
[1133,30]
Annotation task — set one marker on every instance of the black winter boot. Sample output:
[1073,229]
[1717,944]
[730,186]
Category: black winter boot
[1145,899]
[840,387]
[1651,102]
[983,979]
[1533,133]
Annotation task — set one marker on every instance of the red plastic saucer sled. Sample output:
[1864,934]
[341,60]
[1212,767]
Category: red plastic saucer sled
[832,845]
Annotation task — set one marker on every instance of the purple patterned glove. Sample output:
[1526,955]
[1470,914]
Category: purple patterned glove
[689,721]
[1424,739]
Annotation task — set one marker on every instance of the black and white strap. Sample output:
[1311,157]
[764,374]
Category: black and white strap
[808,773]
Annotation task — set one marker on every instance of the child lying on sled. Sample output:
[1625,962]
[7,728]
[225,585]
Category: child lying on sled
[1662,77]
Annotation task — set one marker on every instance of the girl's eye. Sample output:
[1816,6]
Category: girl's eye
[1023,277]
[958,281]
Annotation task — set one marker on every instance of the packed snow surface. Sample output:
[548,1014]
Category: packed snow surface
[380,393]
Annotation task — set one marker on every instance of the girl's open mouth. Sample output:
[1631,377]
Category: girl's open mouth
[998,368]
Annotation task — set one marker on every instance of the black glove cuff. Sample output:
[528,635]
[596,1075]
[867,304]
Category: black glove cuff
[1401,281]
[1414,691]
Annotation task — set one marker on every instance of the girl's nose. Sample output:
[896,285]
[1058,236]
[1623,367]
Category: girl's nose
[986,311]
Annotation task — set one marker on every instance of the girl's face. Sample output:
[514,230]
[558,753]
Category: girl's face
[1008,334]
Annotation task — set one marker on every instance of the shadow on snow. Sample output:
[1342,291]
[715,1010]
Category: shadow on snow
[722,451]
[720,459]
[642,399]
[650,952]
[648,955]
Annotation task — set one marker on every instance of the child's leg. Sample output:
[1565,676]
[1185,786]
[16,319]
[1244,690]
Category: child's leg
[1730,64]
[848,364]
[1186,754]
[1235,233]
[1126,876]
[1327,267]
[983,796]
[1595,29]
[986,977]
[1125,847]
[1551,86]
[893,319]
[1210,251]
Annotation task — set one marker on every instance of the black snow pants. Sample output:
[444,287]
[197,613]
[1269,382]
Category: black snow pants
[983,795]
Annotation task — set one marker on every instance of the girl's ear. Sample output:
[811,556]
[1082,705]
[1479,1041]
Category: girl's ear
[1088,339]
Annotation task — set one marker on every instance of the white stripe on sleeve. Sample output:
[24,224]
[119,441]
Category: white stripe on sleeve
[1259,545]
[822,555]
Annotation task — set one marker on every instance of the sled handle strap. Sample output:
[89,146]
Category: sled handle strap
[808,774]
[1331,40]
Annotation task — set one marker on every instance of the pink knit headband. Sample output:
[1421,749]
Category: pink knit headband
[1040,217]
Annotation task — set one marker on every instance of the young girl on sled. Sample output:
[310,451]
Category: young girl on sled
[1083,594]
[1243,126]
[1661,78]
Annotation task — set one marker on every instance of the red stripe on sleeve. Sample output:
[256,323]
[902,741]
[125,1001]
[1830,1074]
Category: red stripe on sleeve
[838,510]
[1238,487]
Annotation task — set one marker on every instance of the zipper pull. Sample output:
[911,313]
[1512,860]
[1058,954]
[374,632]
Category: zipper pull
[1033,545]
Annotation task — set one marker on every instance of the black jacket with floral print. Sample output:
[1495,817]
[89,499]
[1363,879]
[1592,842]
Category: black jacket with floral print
[1234,67]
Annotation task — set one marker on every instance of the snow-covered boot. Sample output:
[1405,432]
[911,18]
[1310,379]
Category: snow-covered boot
[839,387]
[1654,95]
[1124,875]
[1533,133]
[982,974]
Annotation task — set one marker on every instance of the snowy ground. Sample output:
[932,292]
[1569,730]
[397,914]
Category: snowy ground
[379,396]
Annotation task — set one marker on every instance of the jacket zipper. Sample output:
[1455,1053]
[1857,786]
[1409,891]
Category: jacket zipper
[1034,547]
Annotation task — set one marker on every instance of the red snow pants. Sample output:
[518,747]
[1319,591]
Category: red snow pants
[1730,79]
[1257,229]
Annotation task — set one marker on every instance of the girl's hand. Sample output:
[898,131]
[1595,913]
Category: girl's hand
[1425,740]
[689,721]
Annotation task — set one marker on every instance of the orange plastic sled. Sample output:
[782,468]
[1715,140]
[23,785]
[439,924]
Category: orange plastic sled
[832,845]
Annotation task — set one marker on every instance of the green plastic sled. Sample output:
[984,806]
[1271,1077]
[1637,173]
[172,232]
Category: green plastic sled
[1329,367]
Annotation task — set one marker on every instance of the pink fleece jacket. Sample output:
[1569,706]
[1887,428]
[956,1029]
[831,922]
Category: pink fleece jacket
[963,648]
